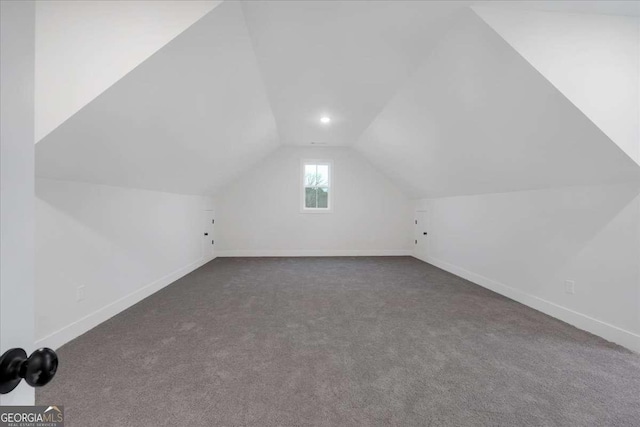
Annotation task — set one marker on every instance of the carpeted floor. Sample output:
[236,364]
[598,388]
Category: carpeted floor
[339,342]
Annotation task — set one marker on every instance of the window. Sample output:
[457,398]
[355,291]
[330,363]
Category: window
[316,186]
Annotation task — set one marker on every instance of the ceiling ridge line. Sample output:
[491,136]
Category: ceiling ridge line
[414,71]
[260,71]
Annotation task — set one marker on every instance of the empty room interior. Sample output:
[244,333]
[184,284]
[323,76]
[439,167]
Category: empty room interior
[320,213]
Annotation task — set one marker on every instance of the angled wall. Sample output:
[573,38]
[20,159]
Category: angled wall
[187,120]
[478,118]
[259,215]
[594,60]
[83,47]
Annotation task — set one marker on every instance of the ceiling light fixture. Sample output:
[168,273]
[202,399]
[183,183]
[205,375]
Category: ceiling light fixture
[325,119]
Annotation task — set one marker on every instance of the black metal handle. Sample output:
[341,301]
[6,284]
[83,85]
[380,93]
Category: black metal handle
[424,232]
[37,370]
[206,234]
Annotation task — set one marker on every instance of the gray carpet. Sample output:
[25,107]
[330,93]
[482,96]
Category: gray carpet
[340,342]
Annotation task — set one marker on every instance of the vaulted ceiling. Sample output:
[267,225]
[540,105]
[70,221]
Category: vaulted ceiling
[186,120]
[83,47]
[592,59]
[345,59]
[446,99]
[478,118]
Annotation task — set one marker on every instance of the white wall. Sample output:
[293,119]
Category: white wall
[120,244]
[591,58]
[525,245]
[17,47]
[260,213]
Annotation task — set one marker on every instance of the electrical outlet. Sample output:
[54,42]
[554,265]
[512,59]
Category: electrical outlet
[570,287]
[80,293]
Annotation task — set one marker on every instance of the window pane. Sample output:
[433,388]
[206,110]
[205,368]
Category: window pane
[310,175]
[323,197]
[323,175]
[310,198]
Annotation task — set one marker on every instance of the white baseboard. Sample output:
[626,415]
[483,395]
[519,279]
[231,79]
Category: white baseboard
[90,321]
[314,253]
[597,327]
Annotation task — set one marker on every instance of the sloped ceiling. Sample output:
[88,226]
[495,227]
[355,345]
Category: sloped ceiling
[187,120]
[600,7]
[478,118]
[427,91]
[344,59]
[594,60]
[83,47]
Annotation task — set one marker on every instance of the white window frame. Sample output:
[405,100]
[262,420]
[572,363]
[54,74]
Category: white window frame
[303,208]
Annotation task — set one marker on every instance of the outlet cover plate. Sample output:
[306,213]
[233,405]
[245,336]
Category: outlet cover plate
[570,287]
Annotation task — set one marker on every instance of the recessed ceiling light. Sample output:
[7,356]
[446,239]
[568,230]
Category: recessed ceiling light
[325,119]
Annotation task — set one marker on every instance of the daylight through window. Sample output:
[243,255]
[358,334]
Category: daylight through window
[316,186]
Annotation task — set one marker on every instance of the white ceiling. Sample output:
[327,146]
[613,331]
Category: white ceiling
[79,53]
[478,118]
[605,7]
[344,59]
[187,120]
[428,91]
[594,60]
